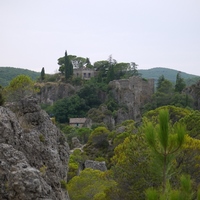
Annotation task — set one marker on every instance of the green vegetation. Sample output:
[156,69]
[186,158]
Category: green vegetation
[42,75]
[8,73]
[167,94]
[42,138]
[165,142]
[43,169]
[19,87]
[90,184]
[63,184]
[169,74]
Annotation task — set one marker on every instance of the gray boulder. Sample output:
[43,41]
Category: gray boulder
[96,165]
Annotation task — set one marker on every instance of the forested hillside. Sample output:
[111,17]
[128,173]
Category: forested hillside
[8,73]
[170,74]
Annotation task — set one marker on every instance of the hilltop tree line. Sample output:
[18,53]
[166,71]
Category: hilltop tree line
[108,70]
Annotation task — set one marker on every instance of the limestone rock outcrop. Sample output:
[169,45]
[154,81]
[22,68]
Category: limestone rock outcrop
[53,91]
[131,94]
[194,92]
[96,165]
[33,154]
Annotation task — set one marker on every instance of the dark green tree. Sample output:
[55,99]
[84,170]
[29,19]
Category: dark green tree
[160,80]
[67,68]
[134,68]
[61,62]
[66,108]
[180,83]
[110,74]
[42,75]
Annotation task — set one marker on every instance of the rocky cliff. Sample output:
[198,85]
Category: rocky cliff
[194,92]
[52,91]
[131,94]
[33,154]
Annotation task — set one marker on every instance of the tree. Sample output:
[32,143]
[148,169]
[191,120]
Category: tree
[66,108]
[110,74]
[20,87]
[180,83]
[130,168]
[67,67]
[134,68]
[90,94]
[42,75]
[90,184]
[165,142]
[160,80]
[61,62]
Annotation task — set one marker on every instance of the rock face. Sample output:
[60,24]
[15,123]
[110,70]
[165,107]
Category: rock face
[131,93]
[33,154]
[96,165]
[52,91]
[76,143]
[194,92]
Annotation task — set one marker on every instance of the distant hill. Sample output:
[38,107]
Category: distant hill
[8,73]
[169,74]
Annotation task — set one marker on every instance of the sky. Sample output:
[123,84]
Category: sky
[151,33]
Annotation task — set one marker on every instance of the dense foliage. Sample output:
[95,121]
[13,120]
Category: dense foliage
[149,162]
[8,73]
[20,87]
[168,94]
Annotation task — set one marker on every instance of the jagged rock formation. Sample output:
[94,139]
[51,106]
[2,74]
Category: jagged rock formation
[52,91]
[33,154]
[76,143]
[131,94]
[95,165]
[194,91]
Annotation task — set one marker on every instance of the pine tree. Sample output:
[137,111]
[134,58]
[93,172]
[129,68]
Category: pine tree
[165,142]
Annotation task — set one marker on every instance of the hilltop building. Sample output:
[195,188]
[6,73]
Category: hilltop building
[85,73]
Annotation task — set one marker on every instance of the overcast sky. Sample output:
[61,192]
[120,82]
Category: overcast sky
[152,33]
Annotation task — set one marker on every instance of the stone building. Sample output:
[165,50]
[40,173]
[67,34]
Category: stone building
[77,122]
[85,73]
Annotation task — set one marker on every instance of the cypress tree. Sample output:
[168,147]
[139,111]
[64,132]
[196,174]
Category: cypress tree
[42,74]
[67,67]
[180,83]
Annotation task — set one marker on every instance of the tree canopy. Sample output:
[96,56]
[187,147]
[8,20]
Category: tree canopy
[19,87]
